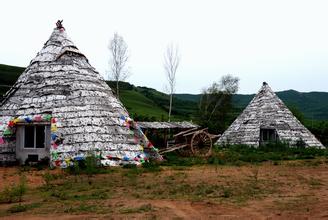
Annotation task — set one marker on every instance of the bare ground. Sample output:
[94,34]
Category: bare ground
[292,190]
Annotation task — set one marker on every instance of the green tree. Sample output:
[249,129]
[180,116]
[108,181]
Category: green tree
[215,106]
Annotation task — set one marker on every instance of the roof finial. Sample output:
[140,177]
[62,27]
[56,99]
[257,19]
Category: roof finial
[59,24]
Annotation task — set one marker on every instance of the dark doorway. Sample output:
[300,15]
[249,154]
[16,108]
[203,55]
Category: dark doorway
[268,135]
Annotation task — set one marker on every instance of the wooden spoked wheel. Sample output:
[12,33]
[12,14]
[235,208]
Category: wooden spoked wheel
[201,144]
[185,152]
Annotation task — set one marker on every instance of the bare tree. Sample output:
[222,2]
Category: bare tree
[118,59]
[171,64]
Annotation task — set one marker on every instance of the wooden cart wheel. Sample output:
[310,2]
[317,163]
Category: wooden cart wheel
[185,152]
[201,144]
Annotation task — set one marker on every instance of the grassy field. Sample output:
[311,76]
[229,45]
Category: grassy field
[138,104]
[180,188]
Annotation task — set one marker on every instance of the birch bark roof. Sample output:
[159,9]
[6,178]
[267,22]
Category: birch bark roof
[60,81]
[266,110]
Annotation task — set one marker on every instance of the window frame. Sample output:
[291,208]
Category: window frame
[266,134]
[46,133]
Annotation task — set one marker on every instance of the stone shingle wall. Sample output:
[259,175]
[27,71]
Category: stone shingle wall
[266,110]
[61,82]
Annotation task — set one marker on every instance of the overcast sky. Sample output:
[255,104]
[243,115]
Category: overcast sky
[282,42]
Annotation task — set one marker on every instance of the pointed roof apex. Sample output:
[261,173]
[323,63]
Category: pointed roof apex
[59,25]
[57,45]
[265,88]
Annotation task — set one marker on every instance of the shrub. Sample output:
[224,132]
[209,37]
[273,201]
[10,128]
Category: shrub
[173,159]
[48,178]
[15,192]
[75,169]
[151,166]
[90,165]
[129,166]
[17,208]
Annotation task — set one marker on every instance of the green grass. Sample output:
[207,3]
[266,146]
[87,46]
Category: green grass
[23,207]
[138,104]
[238,155]
[14,192]
[181,109]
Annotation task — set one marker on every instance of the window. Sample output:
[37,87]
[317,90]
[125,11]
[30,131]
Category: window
[268,135]
[34,136]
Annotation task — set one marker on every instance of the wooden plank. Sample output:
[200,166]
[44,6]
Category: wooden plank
[166,150]
[33,123]
[194,132]
[183,132]
[213,136]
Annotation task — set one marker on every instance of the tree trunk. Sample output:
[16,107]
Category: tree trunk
[170,107]
[117,92]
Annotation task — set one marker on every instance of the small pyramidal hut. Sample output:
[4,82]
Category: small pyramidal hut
[61,108]
[267,119]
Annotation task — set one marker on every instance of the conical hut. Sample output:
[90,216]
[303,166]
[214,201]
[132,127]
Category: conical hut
[267,119]
[61,108]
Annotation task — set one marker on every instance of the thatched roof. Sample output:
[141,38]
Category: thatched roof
[266,110]
[61,82]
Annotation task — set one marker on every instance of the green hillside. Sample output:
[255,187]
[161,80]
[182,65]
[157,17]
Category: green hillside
[149,104]
[8,76]
[188,97]
[140,107]
[314,105]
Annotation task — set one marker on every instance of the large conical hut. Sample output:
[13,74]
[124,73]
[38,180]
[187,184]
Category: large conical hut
[265,120]
[61,108]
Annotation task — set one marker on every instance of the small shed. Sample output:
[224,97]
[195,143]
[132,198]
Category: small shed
[160,132]
[265,120]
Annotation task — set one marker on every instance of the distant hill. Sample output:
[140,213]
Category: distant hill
[145,103]
[8,76]
[314,105]
[149,104]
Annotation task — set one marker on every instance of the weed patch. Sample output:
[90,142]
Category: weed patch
[48,179]
[81,208]
[15,192]
[23,208]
